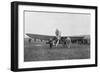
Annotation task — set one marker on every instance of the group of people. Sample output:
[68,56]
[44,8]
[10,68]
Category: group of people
[56,41]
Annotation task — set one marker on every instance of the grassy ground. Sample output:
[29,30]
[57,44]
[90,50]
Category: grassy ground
[32,52]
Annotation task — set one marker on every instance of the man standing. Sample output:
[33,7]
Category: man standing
[68,42]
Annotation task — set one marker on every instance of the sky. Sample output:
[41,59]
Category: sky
[45,23]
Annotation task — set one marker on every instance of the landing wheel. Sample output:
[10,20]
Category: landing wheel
[51,45]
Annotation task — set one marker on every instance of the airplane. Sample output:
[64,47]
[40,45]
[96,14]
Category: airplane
[65,41]
[52,40]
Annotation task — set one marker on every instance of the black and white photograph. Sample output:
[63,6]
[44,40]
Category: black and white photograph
[56,36]
[53,36]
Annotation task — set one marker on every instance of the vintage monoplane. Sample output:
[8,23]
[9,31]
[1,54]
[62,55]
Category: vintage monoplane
[52,40]
[65,41]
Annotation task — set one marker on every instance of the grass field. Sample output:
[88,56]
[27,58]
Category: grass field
[41,52]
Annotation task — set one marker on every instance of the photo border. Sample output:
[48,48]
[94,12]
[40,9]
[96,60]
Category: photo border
[14,35]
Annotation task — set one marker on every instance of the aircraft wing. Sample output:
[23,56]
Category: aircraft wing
[46,37]
[41,37]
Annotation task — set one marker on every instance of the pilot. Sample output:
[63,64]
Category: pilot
[68,42]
